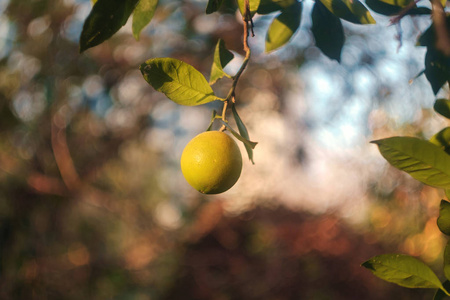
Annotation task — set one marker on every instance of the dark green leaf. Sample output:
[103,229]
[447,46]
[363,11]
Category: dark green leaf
[349,10]
[423,160]
[383,8]
[400,3]
[437,64]
[221,58]
[440,294]
[403,270]
[270,6]
[243,131]
[142,15]
[418,11]
[105,19]
[179,81]
[447,255]
[250,144]
[283,27]
[328,31]
[437,68]
[213,6]
[442,106]
[254,4]
[443,220]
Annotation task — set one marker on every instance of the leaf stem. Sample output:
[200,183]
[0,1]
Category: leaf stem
[445,291]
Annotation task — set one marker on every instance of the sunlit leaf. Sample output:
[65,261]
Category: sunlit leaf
[221,58]
[213,6]
[270,6]
[440,294]
[254,4]
[442,106]
[328,31]
[349,10]
[243,131]
[105,19]
[403,270]
[421,159]
[443,220]
[283,27]
[142,15]
[247,142]
[442,139]
[179,81]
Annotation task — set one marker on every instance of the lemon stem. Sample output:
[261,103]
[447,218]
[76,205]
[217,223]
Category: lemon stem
[246,18]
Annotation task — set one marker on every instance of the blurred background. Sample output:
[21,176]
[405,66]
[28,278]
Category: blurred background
[93,204]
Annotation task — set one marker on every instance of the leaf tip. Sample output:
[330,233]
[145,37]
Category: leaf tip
[368,265]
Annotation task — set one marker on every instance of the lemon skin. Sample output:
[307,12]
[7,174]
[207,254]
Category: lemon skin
[211,162]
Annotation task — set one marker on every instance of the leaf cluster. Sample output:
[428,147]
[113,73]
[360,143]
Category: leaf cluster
[108,16]
[428,162]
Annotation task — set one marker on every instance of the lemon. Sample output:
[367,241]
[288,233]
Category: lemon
[211,162]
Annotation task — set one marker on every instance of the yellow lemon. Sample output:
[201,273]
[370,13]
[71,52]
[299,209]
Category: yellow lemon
[211,162]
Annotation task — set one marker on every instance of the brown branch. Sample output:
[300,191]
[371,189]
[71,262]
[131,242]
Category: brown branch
[440,27]
[62,156]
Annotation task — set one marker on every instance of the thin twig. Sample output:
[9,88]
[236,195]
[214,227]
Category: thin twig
[403,12]
[246,18]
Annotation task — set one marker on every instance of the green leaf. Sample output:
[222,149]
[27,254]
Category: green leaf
[400,3]
[447,260]
[254,4]
[442,139]
[247,142]
[142,15]
[283,27]
[423,160]
[442,106]
[328,31]
[349,10]
[403,270]
[179,81]
[443,221]
[221,58]
[440,294]
[105,19]
[270,6]
[437,64]
[437,68]
[243,131]
[213,6]
[383,7]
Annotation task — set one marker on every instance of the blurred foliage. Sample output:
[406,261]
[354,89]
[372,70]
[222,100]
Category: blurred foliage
[92,208]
